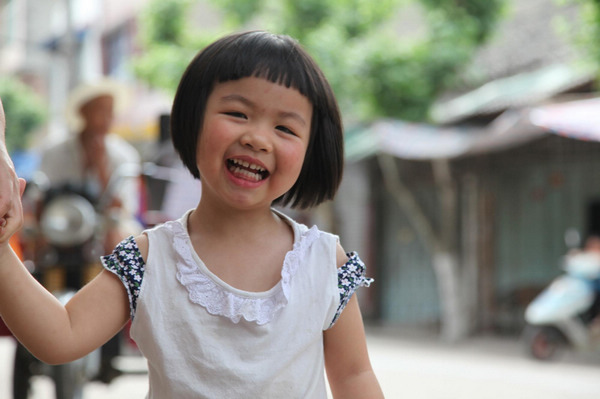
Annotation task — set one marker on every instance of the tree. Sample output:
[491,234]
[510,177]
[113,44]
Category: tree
[374,72]
[588,29]
[24,113]
[168,43]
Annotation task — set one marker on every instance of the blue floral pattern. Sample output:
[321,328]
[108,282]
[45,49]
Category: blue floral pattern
[351,276]
[127,263]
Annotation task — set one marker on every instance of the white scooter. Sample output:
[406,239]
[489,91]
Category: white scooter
[566,313]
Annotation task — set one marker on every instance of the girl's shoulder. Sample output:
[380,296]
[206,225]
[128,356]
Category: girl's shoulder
[341,256]
[162,233]
[143,245]
[301,229]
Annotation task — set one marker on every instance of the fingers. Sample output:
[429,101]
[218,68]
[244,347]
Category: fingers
[11,189]
[9,185]
[2,120]
[10,224]
[11,220]
[10,193]
[22,185]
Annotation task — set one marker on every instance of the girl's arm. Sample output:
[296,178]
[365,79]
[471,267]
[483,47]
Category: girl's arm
[50,331]
[347,361]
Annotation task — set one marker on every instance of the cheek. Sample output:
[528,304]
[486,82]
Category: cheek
[211,145]
[204,148]
[205,144]
[295,160]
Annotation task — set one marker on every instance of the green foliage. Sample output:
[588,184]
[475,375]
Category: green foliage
[162,65]
[238,13]
[477,17]
[374,72]
[587,32]
[24,111]
[354,18]
[164,21]
[168,43]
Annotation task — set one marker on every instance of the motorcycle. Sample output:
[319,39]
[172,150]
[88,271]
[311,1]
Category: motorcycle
[61,243]
[567,313]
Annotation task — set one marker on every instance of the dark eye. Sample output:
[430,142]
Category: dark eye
[285,130]
[236,114]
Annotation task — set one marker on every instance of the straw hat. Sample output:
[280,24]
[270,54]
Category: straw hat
[88,91]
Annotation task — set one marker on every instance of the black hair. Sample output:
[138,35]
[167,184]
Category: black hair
[279,59]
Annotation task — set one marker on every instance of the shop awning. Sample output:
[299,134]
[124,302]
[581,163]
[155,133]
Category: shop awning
[418,141]
[576,119]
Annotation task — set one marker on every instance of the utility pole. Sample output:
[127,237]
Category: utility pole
[71,47]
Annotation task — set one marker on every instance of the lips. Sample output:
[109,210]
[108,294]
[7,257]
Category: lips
[247,170]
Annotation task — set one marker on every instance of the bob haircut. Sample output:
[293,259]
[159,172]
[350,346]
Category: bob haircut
[281,60]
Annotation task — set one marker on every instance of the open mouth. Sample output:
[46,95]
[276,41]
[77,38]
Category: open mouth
[247,170]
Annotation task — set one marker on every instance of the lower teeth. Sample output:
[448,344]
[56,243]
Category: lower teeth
[245,173]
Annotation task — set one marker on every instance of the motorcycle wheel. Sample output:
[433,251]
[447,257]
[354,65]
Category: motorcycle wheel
[545,342]
[69,380]
[23,370]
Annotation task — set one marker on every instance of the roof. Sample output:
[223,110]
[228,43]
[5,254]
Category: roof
[520,90]
[532,56]
[575,119]
[531,35]
[418,141]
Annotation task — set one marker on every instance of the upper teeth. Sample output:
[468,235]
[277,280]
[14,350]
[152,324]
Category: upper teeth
[248,165]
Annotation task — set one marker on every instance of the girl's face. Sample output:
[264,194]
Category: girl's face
[253,142]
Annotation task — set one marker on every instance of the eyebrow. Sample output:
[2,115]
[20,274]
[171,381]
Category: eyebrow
[247,102]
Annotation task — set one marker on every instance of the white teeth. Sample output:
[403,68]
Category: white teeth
[248,165]
[248,174]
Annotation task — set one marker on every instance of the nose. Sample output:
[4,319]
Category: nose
[257,139]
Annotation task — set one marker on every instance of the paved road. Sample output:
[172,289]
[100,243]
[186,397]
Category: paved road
[410,367]
[481,368]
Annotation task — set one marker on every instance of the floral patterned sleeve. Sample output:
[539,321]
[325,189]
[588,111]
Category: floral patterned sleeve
[351,276]
[127,263]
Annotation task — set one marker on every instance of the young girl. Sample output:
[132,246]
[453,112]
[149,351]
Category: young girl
[235,299]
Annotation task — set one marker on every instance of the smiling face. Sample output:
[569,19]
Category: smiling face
[253,141]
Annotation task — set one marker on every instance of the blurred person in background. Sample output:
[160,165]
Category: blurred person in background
[591,247]
[584,262]
[88,158]
[90,155]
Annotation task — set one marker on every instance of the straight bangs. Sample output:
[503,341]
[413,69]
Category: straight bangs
[277,61]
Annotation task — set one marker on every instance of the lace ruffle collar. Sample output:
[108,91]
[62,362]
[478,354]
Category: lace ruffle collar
[220,299]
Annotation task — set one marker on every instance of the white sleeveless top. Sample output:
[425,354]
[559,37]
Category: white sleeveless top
[206,339]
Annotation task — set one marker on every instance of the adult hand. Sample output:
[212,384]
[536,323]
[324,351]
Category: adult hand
[11,189]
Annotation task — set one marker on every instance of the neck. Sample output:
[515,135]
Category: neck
[86,134]
[222,221]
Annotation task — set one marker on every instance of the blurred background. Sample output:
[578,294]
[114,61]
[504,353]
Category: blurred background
[472,134]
